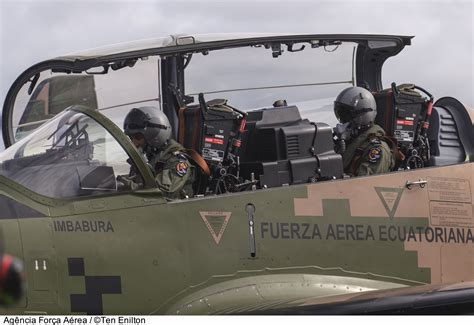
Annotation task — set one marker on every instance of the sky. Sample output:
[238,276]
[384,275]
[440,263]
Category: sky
[440,58]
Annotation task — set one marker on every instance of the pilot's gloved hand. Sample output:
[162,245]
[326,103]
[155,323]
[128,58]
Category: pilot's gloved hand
[121,183]
[125,183]
[129,182]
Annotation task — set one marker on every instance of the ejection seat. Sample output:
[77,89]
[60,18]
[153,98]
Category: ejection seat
[450,134]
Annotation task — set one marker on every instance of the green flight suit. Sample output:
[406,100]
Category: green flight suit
[368,154]
[175,174]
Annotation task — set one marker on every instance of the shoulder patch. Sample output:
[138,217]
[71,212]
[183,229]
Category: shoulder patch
[375,153]
[182,168]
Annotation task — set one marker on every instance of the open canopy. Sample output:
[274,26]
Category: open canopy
[251,70]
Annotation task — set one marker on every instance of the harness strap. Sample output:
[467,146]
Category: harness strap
[393,144]
[197,127]
[199,161]
[355,162]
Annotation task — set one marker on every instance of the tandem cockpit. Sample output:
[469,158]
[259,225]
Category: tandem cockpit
[63,118]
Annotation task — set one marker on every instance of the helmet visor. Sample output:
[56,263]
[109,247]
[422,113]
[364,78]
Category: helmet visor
[343,112]
[133,128]
[135,122]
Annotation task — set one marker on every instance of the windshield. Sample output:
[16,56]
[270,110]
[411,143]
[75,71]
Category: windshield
[309,75]
[71,155]
[252,77]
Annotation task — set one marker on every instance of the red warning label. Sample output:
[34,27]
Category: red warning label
[214,140]
[404,122]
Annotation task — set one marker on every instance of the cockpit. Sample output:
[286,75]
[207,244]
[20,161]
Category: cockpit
[62,118]
[71,155]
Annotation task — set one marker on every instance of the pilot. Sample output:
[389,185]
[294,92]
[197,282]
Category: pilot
[365,149]
[150,132]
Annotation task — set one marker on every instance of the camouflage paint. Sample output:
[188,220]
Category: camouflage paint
[312,240]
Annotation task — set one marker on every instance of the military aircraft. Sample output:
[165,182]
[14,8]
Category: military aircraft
[275,225]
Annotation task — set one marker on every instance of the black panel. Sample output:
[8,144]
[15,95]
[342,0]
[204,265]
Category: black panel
[280,148]
[75,266]
[91,301]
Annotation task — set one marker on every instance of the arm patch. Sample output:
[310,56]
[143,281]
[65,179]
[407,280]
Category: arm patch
[182,168]
[375,153]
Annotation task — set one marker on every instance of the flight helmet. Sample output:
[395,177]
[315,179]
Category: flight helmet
[280,103]
[151,123]
[356,105]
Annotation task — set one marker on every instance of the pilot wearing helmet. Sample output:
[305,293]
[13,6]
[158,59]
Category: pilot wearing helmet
[150,132]
[365,149]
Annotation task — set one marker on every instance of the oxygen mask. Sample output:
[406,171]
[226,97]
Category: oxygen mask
[342,133]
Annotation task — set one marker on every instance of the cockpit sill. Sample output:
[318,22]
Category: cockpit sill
[57,207]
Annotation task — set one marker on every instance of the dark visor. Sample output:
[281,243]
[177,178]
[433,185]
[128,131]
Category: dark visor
[345,113]
[134,126]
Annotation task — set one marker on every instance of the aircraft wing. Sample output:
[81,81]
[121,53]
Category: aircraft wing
[452,299]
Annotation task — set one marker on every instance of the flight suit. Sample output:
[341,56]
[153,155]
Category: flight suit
[368,154]
[174,174]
